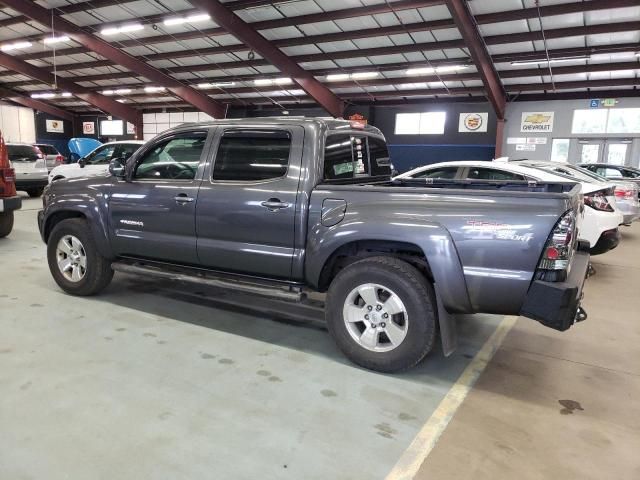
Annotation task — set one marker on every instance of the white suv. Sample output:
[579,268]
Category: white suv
[30,167]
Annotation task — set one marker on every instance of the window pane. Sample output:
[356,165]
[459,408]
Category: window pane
[174,159]
[100,155]
[624,120]
[338,157]
[443,173]
[21,153]
[491,174]
[589,121]
[407,124]
[590,153]
[630,173]
[432,123]
[252,155]
[560,150]
[379,157]
[617,153]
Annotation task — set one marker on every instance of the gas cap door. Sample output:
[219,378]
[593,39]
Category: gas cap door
[333,211]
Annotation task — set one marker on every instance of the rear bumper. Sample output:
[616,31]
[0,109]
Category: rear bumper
[628,219]
[10,204]
[22,184]
[557,304]
[607,241]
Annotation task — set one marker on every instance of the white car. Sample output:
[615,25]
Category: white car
[601,217]
[30,167]
[96,162]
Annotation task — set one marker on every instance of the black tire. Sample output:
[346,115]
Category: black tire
[35,192]
[415,292]
[98,272]
[6,223]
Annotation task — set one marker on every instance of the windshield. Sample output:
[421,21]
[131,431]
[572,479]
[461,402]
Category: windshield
[47,149]
[22,153]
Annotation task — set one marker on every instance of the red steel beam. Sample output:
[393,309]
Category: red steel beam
[188,94]
[244,32]
[35,104]
[480,55]
[106,104]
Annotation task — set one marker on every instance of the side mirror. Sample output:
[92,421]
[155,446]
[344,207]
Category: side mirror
[82,162]
[116,167]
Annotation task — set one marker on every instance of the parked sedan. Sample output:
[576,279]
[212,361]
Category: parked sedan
[626,193]
[96,162]
[614,172]
[601,218]
[51,155]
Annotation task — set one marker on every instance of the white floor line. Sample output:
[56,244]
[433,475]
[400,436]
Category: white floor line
[427,437]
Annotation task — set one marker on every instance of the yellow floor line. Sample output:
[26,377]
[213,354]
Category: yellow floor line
[427,437]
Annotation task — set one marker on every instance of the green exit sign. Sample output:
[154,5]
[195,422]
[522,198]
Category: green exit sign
[609,102]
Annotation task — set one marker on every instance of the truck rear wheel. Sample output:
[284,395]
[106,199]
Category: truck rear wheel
[6,223]
[74,260]
[35,192]
[380,311]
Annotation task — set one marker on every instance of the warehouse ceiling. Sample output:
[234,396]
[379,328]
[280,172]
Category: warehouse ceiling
[351,51]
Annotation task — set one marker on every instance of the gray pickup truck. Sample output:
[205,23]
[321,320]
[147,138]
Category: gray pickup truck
[280,206]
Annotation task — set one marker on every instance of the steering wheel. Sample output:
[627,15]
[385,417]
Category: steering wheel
[180,170]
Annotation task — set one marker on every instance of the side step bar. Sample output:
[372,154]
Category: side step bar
[291,294]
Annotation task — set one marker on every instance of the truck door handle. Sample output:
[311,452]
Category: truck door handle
[183,198]
[274,204]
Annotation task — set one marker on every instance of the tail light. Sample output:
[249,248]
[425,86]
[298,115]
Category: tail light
[7,182]
[598,201]
[624,193]
[559,250]
[59,159]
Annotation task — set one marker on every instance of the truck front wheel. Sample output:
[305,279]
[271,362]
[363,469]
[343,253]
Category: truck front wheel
[6,223]
[74,260]
[380,311]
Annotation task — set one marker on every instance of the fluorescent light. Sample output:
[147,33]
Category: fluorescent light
[52,40]
[282,81]
[15,46]
[108,92]
[553,60]
[336,77]
[120,100]
[200,17]
[130,27]
[66,94]
[363,75]
[122,91]
[43,95]
[451,68]
[263,81]
[216,85]
[420,71]
[154,89]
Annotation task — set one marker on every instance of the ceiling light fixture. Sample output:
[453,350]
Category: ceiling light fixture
[66,94]
[200,17]
[154,89]
[364,75]
[51,40]
[15,46]
[420,71]
[108,92]
[547,61]
[122,91]
[130,27]
[216,85]
[337,77]
[261,82]
[43,95]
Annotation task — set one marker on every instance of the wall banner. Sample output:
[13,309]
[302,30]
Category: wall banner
[537,122]
[473,122]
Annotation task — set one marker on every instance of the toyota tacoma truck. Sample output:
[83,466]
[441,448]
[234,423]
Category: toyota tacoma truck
[9,199]
[280,206]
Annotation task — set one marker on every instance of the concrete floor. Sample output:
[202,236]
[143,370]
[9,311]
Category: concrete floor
[558,405]
[147,381]
[144,381]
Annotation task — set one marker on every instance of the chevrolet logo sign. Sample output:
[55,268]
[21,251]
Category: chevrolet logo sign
[537,118]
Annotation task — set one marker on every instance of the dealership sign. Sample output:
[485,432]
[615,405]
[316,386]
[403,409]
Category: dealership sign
[55,126]
[88,128]
[537,122]
[473,122]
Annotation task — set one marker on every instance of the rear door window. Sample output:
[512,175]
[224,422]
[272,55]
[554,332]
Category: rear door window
[492,174]
[252,155]
[446,173]
[47,149]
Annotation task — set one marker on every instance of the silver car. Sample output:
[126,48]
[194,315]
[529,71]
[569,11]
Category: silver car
[51,154]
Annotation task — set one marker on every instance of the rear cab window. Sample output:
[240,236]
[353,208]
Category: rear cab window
[352,156]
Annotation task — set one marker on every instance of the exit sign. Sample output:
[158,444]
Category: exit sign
[609,102]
